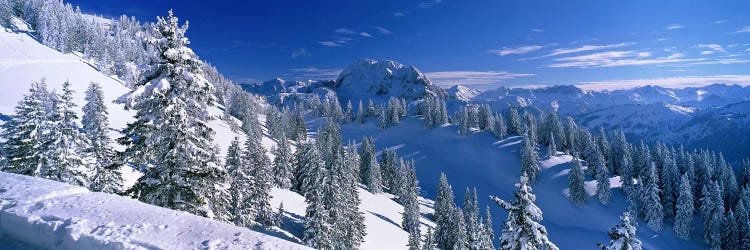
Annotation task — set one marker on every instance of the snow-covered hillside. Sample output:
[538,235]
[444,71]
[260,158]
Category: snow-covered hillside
[55,215]
[493,166]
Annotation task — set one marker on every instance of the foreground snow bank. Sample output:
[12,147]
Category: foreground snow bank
[55,215]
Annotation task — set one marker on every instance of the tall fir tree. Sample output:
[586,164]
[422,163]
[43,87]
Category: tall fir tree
[529,159]
[410,201]
[369,170]
[22,134]
[652,201]
[282,164]
[318,230]
[444,207]
[522,229]
[622,236]
[683,224]
[260,170]
[241,212]
[514,121]
[107,177]
[603,191]
[576,189]
[62,152]
[170,139]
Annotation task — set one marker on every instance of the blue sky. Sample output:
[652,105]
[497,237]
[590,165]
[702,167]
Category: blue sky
[482,43]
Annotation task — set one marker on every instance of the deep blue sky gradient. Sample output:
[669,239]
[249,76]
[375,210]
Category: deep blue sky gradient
[259,40]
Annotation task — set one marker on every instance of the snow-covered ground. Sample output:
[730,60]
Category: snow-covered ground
[55,215]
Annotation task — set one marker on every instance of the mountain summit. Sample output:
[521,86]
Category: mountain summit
[382,79]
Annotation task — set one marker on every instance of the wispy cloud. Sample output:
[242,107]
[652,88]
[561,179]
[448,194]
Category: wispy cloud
[316,73]
[448,78]
[724,61]
[382,30]
[365,34]
[745,29]
[719,21]
[300,52]
[675,27]
[330,43]
[518,50]
[617,58]
[584,48]
[397,14]
[429,4]
[344,31]
[537,30]
[712,48]
[672,82]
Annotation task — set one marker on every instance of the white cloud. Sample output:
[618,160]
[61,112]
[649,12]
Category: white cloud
[300,52]
[448,78]
[712,48]
[672,82]
[330,43]
[365,34]
[398,14]
[745,29]
[719,21]
[519,50]
[584,48]
[344,31]
[674,27]
[724,61]
[382,30]
[537,30]
[429,4]
[617,58]
[316,73]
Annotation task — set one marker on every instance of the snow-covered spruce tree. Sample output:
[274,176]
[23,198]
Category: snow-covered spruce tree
[670,185]
[530,128]
[414,240]
[501,130]
[444,207]
[383,119]
[282,164]
[731,233]
[474,229]
[514,121]
[652,201]
[410,201]
[349,112]
[389,167]
[604,146]
[342,202]
[529,159]
[22,134]
[241,212]
[622,236]
[485,117]
[576,189]
[712,210]
[744,177]
[107,177]
[459,235]
[371,109]
[522,229]
[489,233]
[603,191]
[743,219]
[627,171]
[369,170]
[62,152]
[259,167]
[429,240]
[170,139]
[360,113]
[683,224]
[318,230]
[464,122]
[551,148]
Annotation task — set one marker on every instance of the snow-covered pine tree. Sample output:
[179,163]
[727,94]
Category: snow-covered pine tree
[474,229]
[282,164]
[241,212]
[464,122]
[522,229]
[414,240]
[170,139]
[744,177]
[459,234]
[444,207]
[410,201]
[514,121]
[731,232]
[670,185]
[529,159]
[371,109]
[652,201]
[318,230]
[360,113]
[383,119]
[530,128]
[107,177]
[576,189]
[348,112]
[743,219]
[500,128]
[712,210]
[622,236]
[22,134]
[62,152]
[551,148]
[370,173]
[259,168]
[683,224]
[603,191]
[489,233]
[429,240]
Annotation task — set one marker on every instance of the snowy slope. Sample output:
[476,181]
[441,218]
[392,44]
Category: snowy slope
[462,93]
[368,78]
[55,215]
[493,166]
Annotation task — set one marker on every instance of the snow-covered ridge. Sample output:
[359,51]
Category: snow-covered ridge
[368,77]
[55,215]
[462,93]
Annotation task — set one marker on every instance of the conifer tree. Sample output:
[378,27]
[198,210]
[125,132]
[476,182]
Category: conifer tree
[501,130]
[459,234]
[514,121]
[429,240]
[683,224]
[410,201]
[370,173]
[603,191]
[282,164]
[360,113]
[414,240]
[22,134]
[242,213]
[731,232]
[259,167]
[107,177]
[170,139]
[622,236]
[577,191]
[712,210]
[522,229]
[464,122]
[62,152]
[444,207]
[318,230]
[489,233]
[529,159]
[652,202]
